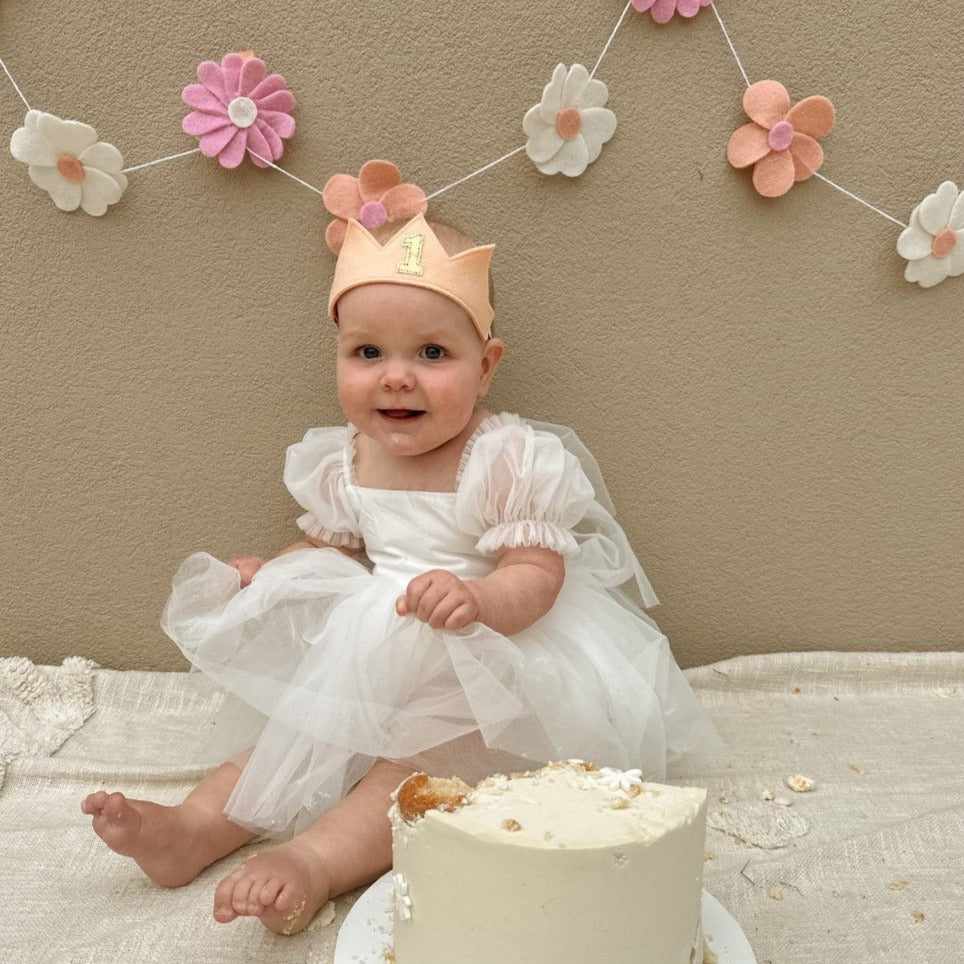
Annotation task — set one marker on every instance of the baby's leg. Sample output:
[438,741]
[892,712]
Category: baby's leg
[172,845]
[349,846]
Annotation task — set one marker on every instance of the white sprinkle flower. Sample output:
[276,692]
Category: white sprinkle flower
[934,242]
[623,780]
[65,158]
[569,126]
[403,903]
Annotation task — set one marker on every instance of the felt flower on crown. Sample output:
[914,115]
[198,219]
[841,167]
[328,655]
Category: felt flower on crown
[376,197]
[239,107]
[933,244]
[65,158]
[662,10]
[781,142]
[569,126]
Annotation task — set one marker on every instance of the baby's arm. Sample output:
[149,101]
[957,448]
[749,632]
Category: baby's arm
[520,590]
[247,566]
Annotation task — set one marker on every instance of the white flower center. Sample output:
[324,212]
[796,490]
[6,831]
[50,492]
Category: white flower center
[242,111]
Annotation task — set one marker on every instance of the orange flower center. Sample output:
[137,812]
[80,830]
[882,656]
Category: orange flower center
[568,123]
[70,168]
[944,243]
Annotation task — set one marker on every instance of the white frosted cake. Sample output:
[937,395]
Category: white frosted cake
[563,864]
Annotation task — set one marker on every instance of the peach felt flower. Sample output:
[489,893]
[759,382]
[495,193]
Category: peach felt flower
[237,107]
[376,197]
[662,10]
[781,143]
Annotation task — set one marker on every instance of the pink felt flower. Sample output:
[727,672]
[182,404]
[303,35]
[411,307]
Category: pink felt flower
[662,10]
[376,197]
[239,107]
[781,143]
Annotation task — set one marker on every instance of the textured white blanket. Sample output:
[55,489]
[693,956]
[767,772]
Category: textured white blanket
[864,867]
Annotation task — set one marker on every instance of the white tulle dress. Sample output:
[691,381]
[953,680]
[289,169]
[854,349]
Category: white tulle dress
[336,679]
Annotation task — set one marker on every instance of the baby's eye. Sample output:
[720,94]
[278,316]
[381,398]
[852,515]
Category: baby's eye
[368,351]
[433,352]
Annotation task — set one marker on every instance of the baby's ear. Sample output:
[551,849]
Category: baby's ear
[492,353]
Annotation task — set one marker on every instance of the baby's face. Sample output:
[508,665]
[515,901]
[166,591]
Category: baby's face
[411,366]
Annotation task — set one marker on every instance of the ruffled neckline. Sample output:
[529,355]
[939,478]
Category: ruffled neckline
[488,424]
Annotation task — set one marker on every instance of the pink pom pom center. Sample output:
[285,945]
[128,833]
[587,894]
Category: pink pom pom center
[373,214]
[780,136]
[944,243]
[70,168]
[568,123]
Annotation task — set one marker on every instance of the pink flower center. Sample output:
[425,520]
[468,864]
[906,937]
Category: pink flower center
[780,136]
[70,168]
[944,243]
[373,214]
[568,123]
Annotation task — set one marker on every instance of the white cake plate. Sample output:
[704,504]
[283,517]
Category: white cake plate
[367,929]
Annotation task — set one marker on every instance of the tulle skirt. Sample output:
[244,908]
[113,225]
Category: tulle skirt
[331,679]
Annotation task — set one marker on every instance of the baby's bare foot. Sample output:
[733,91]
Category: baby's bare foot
[158,838]
[284,887]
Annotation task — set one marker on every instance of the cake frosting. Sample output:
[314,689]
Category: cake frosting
[565,863]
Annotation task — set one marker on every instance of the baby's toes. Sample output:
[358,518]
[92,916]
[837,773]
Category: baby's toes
[224,898]
[93,803]
[270,891]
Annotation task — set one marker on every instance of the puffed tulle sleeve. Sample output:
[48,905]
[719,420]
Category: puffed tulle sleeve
[519,488]
[316,474]
[535,484]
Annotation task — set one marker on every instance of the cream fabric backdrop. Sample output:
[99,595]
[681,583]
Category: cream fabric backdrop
[777,412]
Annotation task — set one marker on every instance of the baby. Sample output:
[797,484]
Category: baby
[462,597]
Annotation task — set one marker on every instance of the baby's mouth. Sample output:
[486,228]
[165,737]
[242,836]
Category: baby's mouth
[400,414]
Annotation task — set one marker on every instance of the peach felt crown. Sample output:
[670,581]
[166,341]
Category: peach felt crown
[415,256]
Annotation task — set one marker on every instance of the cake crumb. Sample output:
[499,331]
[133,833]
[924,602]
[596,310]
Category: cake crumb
[899,885]
[513,826]
[775,892]
[420,793]
[709,855]
[708,956]
[798,783]
[859,770]
[918,916]
[618,803]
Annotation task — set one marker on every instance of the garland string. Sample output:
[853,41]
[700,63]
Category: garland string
[512,153]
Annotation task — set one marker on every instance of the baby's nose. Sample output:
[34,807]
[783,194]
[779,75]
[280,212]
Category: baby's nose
[397,374]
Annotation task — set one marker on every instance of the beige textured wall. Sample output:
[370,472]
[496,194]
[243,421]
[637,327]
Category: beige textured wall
[777,412]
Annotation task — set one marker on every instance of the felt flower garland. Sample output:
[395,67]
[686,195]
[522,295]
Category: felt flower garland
[662,10]
[781,142]
[239,108]
[934,242]
[65,158]
[376,197]
[569,126]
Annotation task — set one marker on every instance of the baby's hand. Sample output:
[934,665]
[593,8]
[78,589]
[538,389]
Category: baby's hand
[247,566]
[440,599]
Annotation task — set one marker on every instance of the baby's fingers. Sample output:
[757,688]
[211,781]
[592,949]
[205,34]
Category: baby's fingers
[460,617]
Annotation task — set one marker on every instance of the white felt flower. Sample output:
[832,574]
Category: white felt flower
[623,780]
[934,242]
[569,126]
[66,159]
